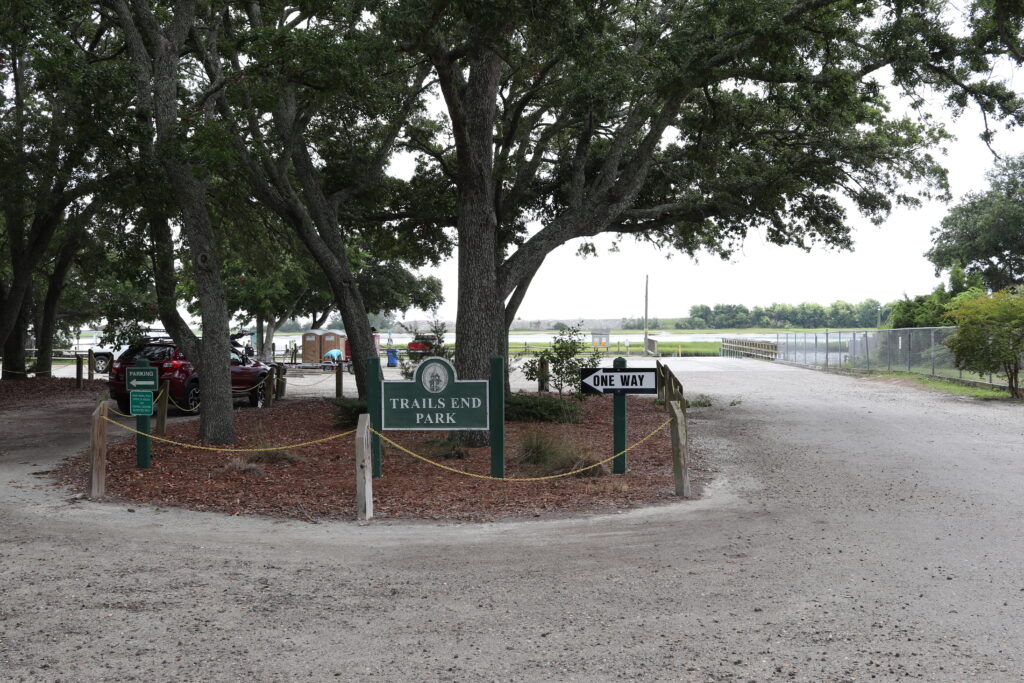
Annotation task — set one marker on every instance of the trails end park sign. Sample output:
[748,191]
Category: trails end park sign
[435,399]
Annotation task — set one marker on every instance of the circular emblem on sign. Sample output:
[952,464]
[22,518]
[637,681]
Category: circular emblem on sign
[434,378]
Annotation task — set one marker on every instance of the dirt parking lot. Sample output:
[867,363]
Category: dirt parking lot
[856,531]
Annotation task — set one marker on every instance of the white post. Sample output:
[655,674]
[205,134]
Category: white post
[364,469]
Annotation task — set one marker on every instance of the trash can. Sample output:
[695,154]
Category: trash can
[392,358]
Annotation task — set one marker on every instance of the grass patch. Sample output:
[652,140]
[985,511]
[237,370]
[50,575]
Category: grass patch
[271,457]
[950,386]
[684,349]
[702,401]
[542,408]
[240,466]
[546,454]
[449,449]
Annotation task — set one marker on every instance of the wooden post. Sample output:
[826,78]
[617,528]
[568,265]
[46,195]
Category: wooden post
[680,471]
[98,452]
[91,364]
[268,388]
[280,386]
[339,380]
[78,371]
[364,469]
[161,407]
[544,375]
[659,379]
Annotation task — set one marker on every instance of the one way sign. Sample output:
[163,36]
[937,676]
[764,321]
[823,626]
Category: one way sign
[618,380]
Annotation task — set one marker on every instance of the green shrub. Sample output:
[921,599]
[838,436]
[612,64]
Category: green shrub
[702,401]
[542,408]
[347,414]
[546,454]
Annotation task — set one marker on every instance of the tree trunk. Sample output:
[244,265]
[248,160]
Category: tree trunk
[260,337]
[14,365]
[55,287]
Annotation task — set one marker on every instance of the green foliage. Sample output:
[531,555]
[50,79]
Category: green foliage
[840,314]
[547,454]
[564,361]
[984,233]
[702,401]
[348,411]
[990,334]
[542,408]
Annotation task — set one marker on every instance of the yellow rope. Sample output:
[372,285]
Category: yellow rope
[261,383]
[230,450]
[187,410]
[518,479]
[27,372]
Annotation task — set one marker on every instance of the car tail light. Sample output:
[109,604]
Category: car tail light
[172,364]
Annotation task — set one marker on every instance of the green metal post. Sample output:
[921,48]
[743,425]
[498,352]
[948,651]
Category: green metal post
[497,416]
[374,408]
[143,444]
[619,418]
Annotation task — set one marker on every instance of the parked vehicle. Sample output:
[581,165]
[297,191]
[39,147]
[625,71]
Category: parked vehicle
[247,374]
[422,344]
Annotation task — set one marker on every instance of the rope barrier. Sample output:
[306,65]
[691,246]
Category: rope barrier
[243,391]
[27,372]
[229,450]
[519,479]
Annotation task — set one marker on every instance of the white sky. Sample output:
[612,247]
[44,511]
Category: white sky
[887,262]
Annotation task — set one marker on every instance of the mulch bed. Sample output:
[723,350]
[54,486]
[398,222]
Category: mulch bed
[320,484]
[43,391]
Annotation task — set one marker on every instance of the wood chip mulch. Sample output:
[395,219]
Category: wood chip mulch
[320,483]
[44,391]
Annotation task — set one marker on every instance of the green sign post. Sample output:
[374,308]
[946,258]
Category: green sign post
[619,418]
[141,381]
[436,399]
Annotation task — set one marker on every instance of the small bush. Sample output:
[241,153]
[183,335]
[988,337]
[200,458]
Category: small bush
[348,412]
[449,449]
[546,453]
[240,466]
[271,457]
[702,401]
[542,408]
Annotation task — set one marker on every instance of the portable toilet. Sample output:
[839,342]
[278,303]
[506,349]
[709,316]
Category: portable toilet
[600,339]
[331,340]
[311,352]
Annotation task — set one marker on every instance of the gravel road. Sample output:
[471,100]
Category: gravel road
[857,530]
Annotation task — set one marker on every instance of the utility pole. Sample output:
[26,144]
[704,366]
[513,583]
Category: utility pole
[646,281]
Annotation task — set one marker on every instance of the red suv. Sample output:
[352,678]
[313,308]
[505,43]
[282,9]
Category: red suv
[247,374]
[422,344]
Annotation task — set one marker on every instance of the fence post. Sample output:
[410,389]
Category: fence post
[161,407]
[659,379]
[826,350]
[680,470]
[98,452]
[933,355]
[364,469]
[910,340]
[78,371]
[280,385]
[91,364]
[268,387]
[375,408]
[339,380]
[543,375]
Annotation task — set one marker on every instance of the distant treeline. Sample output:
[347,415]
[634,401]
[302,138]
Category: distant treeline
[868,313]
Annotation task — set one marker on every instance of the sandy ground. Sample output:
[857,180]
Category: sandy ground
[857,531]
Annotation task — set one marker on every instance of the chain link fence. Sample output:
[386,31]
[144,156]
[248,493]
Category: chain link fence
[920,350]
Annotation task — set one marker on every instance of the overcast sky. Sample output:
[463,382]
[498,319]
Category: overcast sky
[886,263]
